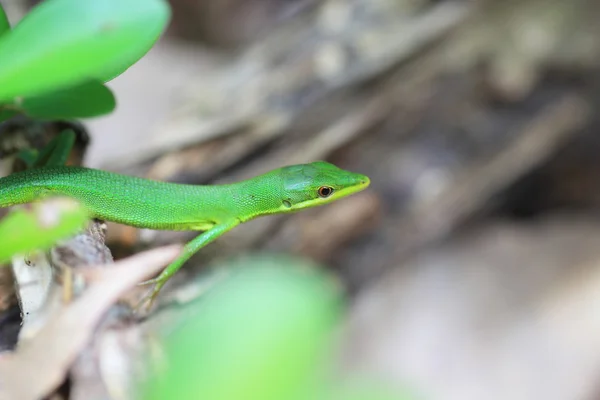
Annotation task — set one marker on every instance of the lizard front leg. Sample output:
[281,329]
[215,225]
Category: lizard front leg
[188,251]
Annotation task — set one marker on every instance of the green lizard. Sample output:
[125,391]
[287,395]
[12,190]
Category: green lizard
[214,209]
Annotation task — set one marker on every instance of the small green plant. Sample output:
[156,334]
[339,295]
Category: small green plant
[56,60]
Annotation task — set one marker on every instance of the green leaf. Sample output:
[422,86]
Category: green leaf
[261,334]
[89,99]
[4,24]
[63,43]
[39,227]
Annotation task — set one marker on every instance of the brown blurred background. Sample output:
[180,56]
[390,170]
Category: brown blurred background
[473,262]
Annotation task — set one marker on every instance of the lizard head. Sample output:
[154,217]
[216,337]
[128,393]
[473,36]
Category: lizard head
[317,183]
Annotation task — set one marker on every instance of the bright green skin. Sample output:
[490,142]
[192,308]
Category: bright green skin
[151,204]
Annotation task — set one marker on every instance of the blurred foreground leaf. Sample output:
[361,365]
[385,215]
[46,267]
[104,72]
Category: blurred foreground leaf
[261,334]
[39,227]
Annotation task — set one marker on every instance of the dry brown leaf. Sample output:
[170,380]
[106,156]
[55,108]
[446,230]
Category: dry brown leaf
[40,365]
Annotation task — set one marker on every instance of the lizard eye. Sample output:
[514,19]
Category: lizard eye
[325,191]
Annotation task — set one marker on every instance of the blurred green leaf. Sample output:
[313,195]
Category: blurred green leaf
[4,24]
[40,226]
[261,334]
[63,43]
[89,99]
